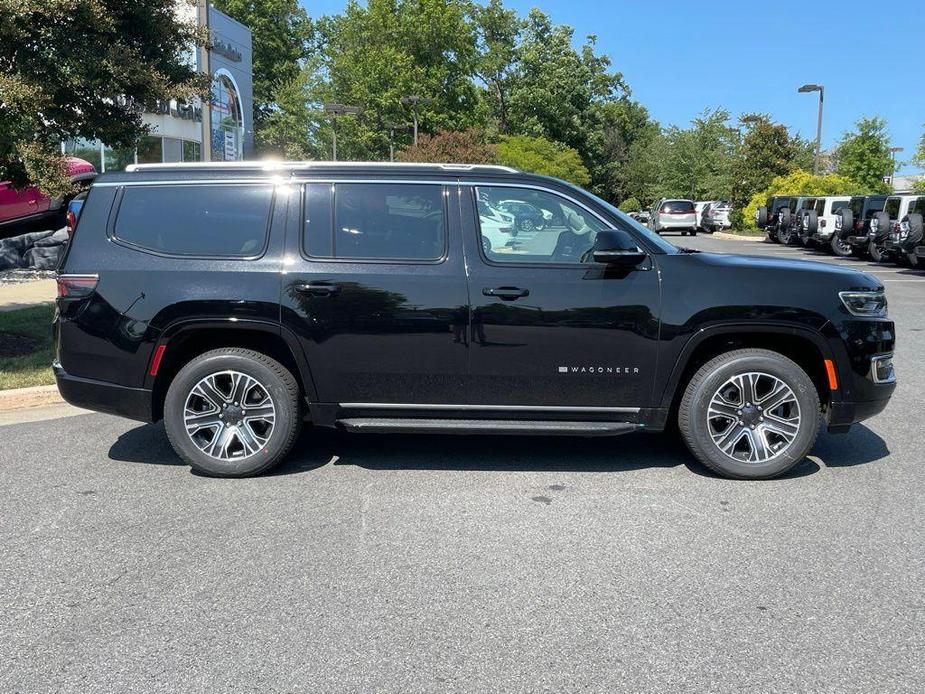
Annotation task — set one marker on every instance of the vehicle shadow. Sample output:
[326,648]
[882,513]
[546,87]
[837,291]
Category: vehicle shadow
[147,444]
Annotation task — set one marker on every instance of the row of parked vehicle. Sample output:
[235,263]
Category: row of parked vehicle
[885,228]
[686,216]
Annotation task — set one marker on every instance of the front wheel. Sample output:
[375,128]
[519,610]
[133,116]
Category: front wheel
[232,412]
[750,414]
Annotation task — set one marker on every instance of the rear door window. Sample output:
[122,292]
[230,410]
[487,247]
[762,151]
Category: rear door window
[195,220]
[678,207]
[891,207]
[375,221]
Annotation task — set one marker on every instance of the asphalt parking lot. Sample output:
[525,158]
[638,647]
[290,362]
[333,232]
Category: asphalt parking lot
[411,564]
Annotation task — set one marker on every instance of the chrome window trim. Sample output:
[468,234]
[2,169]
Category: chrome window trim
[265,180]
[524,408]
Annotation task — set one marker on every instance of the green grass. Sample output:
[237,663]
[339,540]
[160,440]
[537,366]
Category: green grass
[33,369]
[747,232]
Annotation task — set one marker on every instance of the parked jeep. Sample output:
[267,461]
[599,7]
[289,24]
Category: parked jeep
[235,302]
[909,236]
[774,214]
[819,223]
[852,224]
[885,244]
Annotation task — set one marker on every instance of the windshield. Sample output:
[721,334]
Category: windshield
[650,236]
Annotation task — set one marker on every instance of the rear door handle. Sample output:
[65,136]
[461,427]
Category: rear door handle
[506,293]
[317,289]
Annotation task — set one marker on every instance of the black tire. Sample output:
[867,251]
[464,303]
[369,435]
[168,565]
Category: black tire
[784,218]
[811,222]
[915,229]
[840,247]
[880,225]
[486,245]
[876,252]
[683,233]
[761,217]
[695,428]
[847,223]
[693,232]
[279,384]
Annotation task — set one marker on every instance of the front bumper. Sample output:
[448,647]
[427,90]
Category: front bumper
[100,396]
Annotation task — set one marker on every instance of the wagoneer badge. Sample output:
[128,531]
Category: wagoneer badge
[616,370]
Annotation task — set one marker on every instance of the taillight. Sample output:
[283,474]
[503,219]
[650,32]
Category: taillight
[71,222]
[821,223]
[76,286]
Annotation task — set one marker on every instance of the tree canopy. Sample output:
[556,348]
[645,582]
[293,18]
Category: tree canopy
[864,155]
[85,69]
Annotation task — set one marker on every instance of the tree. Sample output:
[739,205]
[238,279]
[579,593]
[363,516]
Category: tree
[556,90]
[919,157]
[85,69]
[698,163]
[542,156]
[766,150]
[801,182]
[864,156]
[630,205]
[292,129]
[282,33]
[498,32]
[466,147]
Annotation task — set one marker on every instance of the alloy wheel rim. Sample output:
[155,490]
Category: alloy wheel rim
[229,415]
[753,417]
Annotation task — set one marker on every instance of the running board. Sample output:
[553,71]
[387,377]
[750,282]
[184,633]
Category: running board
[387,425]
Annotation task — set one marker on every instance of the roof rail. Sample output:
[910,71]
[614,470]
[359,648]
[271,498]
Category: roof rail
[270,165]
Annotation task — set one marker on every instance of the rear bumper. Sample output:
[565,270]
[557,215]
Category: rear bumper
[132,403]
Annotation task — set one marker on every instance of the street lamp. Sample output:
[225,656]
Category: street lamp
[336,110]
[392,127]
[414,100]
[893,151]
[816,88]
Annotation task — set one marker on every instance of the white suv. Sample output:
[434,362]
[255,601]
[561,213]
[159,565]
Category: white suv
[674,215]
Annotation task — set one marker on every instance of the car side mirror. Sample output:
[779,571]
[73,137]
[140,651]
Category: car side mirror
[616,247]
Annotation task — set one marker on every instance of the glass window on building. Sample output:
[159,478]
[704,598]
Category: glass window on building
[117,159]
[227,121]
[192,151]
[173,150]
[150,150]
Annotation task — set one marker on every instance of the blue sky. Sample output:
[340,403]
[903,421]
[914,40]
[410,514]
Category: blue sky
[681,57]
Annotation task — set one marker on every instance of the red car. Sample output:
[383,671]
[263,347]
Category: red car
[18,207]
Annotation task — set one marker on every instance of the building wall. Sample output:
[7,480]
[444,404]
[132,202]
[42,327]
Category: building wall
[233,53]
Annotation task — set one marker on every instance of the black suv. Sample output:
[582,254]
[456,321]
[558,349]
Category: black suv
[237,301]
[852,224]
[778,217]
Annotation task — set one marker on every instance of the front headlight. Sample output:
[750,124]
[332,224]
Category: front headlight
[869,304]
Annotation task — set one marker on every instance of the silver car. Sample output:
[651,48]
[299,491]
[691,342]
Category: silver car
[674,215]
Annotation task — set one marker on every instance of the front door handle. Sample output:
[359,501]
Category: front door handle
[506,293]
[317,289]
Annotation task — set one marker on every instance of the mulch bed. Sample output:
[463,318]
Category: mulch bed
[13,345]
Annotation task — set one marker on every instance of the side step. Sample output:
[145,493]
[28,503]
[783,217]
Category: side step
[397,425]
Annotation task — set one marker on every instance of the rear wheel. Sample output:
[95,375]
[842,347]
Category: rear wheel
[877,253]
[232,412]
[840,247]
[750,414]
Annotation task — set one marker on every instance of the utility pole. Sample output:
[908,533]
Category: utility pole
[392,128]
[821,89]
[335,110]
[414,100]
[205,151]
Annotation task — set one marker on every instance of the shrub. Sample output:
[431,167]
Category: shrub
[630,205]
[542,156]
[799,183]
[451,147]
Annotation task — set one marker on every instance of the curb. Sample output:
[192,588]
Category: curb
[36,396]
[736,237]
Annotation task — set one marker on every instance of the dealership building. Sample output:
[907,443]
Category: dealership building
[177,129]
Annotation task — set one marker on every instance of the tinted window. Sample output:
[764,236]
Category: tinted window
[891,207]
[808,204]
[838,205]
[820,206]
[873,206]
[389,221]
[917,207]
[677,207]
[857,206]
[197,220]
[533,226]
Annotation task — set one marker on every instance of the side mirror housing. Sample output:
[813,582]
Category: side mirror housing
[617,248]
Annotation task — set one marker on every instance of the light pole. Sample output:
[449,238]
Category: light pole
[893,151]
[392,128]
[821,89]
[338,110]
[414,100]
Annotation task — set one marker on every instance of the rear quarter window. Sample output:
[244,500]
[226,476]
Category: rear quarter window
[230,220]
